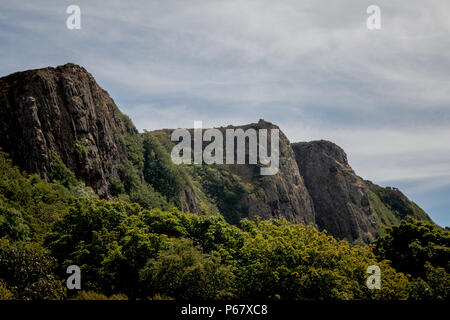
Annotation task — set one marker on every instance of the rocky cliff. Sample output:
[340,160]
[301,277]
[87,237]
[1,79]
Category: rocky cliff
[62,112]
[340,197]
[240,191]
[53,114]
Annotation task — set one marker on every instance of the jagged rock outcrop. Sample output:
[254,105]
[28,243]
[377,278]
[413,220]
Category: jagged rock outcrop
[273,196]
[285,194]
[62,111]
[340,198]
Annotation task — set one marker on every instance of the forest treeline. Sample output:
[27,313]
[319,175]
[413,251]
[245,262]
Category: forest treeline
[128,249]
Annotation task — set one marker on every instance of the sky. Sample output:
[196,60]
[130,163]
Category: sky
[311,67]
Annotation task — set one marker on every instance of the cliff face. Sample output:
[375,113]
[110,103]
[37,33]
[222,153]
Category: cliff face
[284,194]
[340,198]
[62,111]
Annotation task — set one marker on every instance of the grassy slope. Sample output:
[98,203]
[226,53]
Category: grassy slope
[391,206]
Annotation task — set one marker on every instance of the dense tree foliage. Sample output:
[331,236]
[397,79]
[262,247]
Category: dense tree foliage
[27,271]
[283,261]
[185,272]
[29,205]
[166,177]
[129,183]
[421,250]
[130,250]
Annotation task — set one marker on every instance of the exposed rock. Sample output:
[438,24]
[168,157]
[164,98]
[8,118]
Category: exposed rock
[285,192]
[62,111]
[340,198]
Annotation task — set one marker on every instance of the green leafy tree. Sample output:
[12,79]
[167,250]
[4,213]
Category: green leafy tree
[12,223]
[28,204]
[184,272]
[28,272]
[283,261]
[422,250]
[61,173]
[5,294]
[412,244]
[108,240]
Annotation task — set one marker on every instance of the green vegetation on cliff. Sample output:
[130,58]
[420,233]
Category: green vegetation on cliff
[391,206]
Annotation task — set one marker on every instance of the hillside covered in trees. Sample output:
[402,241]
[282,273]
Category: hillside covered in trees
[79,185]
[126,251]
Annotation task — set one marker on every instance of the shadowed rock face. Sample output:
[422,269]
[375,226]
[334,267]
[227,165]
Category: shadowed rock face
[340,198]
[62,111]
